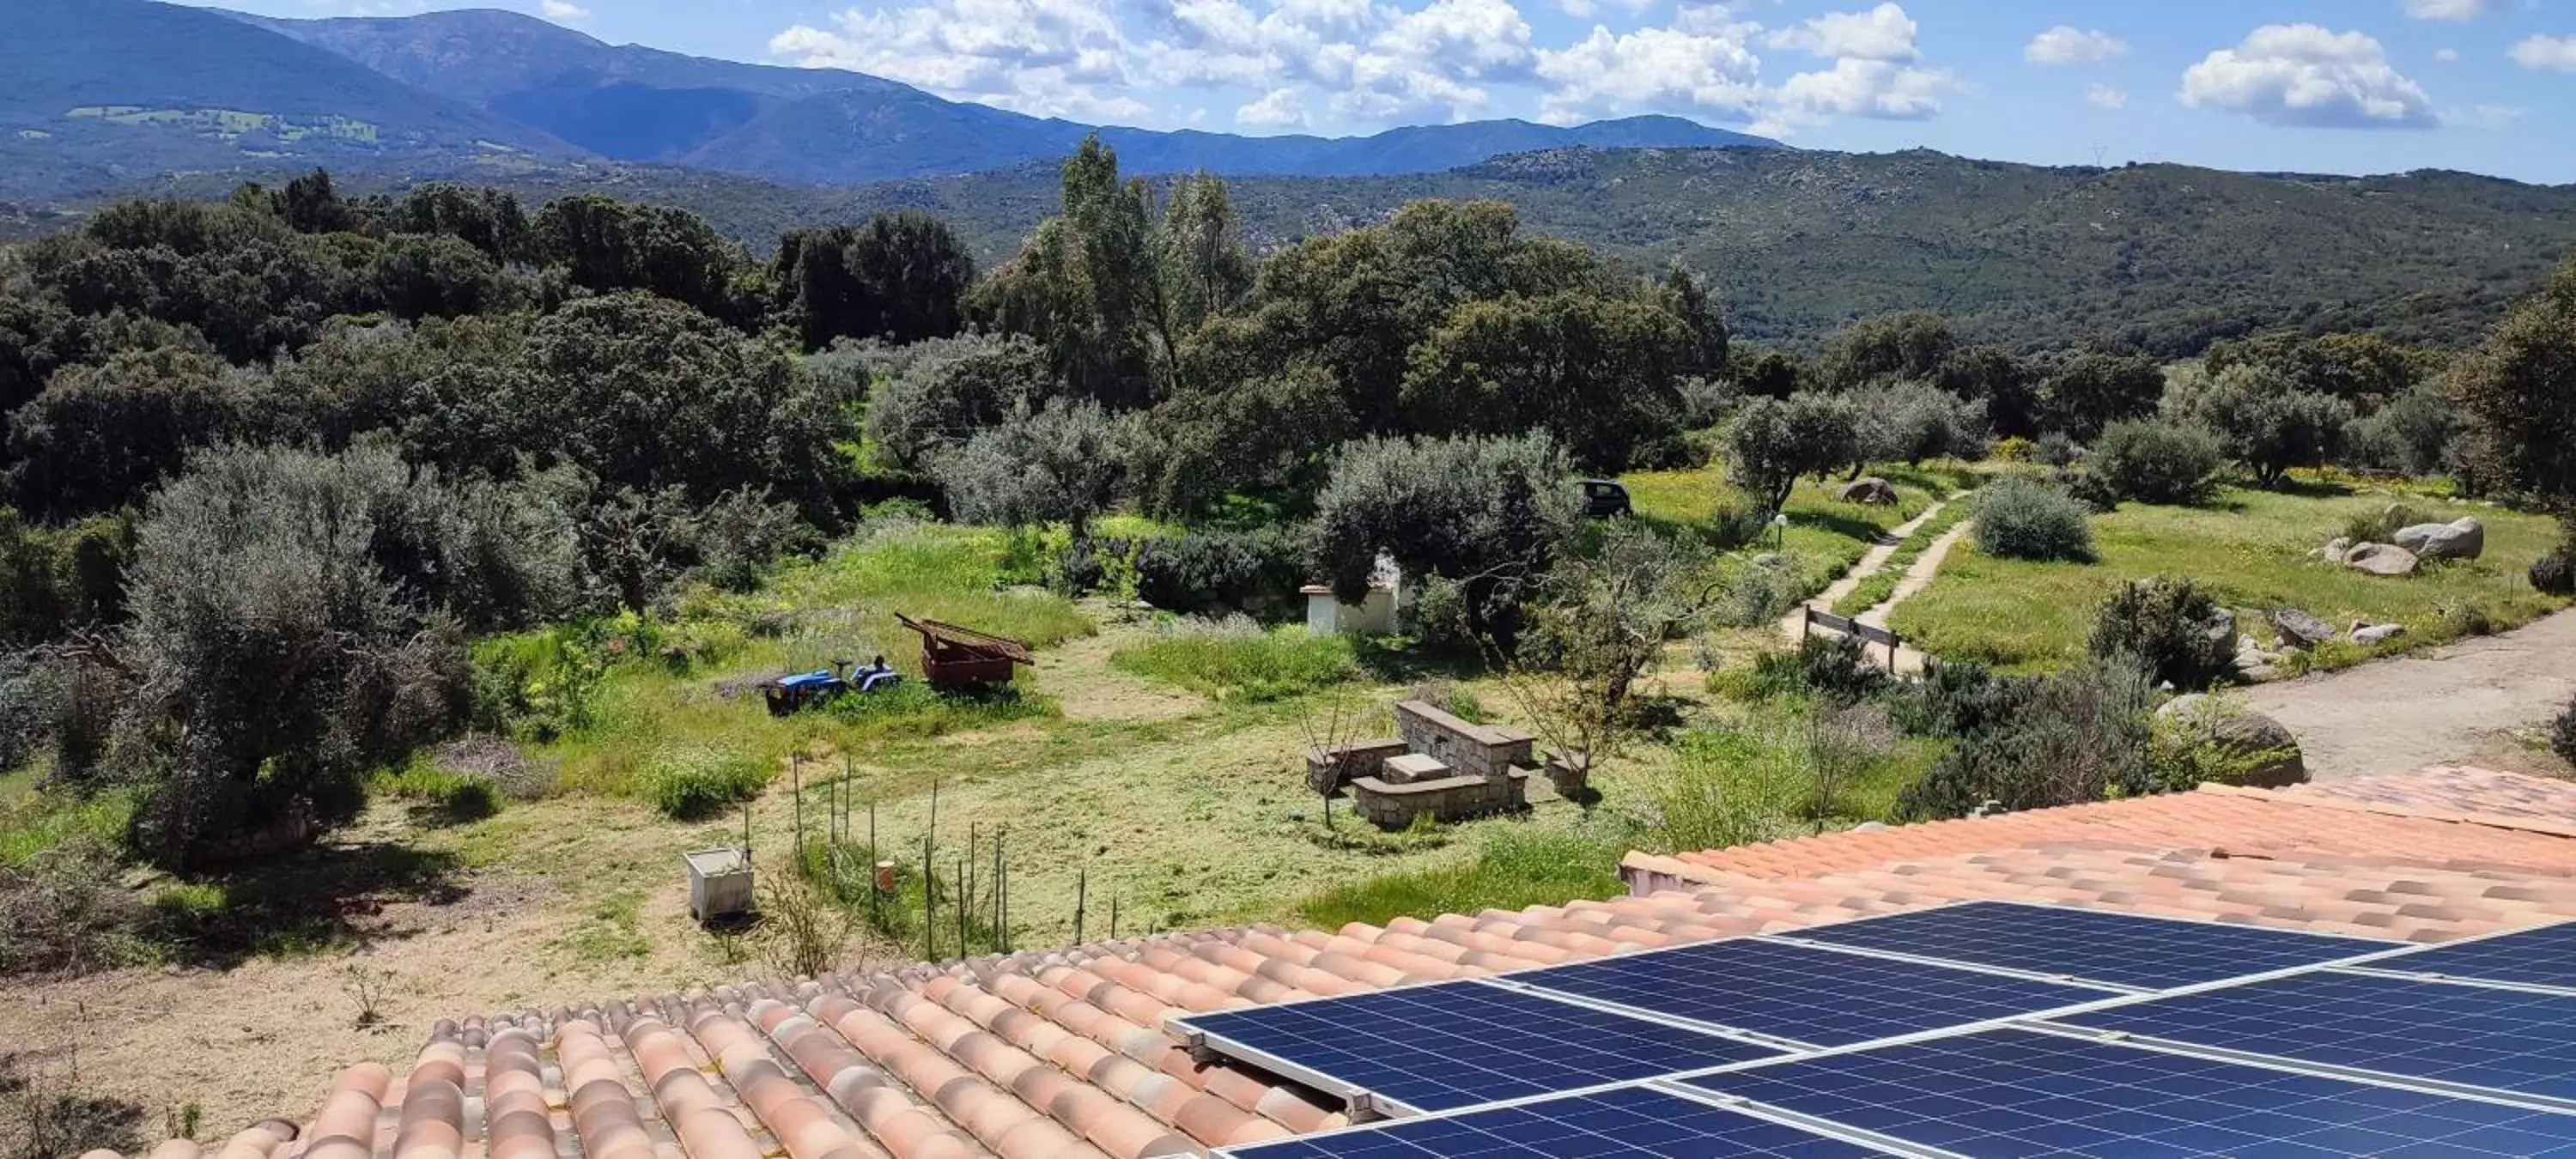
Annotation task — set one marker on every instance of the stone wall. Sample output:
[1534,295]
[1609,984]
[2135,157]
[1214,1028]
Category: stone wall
[1474,750]
[1390,806]
[1328,769]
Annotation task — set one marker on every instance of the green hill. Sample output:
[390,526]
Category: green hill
[2161,257]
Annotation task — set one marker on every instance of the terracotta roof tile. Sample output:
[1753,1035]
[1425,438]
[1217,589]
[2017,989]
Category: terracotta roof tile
[1063,1053]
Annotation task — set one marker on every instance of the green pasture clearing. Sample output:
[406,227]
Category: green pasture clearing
[2250,548]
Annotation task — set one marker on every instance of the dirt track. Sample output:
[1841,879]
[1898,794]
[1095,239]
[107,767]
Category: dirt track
[2458,702]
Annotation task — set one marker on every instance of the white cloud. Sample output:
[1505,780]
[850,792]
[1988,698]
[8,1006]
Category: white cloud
[2552,53]
[1461,39]
[1876,89]
[2306,76]
[1047,57]
[1884,33]
[2491,118]
[2452,9]
[1277,109]
[561,10]
[1650,70]
[2447,55]
[1355,65]
[2107,97]
[2067,44]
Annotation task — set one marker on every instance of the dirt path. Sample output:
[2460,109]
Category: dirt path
[1917,577]
[1871,563]
[2458,702]
[1901,660]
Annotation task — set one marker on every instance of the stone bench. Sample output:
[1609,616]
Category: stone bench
[1414,768]
[1328,769]
[1394,806]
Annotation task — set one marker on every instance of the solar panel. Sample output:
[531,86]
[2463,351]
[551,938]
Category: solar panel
[2481,1036]
[2541,957]
[1614,1124]
[2019,1092]
[2119,949]
[1803,993]
[1433,1048]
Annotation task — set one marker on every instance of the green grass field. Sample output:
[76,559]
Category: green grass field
[2250,548]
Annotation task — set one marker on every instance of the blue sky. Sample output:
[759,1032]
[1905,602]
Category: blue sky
[2312,85]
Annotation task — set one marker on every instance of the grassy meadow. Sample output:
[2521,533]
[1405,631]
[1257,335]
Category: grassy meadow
[2251,549]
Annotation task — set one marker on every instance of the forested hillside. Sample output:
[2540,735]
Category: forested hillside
[2162,258]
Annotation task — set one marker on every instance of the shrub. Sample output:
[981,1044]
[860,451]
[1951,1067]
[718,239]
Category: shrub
[2381,526]
[2089,488]
[694,783]
[2165,625]
[1959,699]
[2562,738]
[2082,735]
[1220,570]
[2015,449]
[2024,518]
[1836,668]
[63,911]
[2555,572]
[1761,592]
[2056,449]
[2157,462]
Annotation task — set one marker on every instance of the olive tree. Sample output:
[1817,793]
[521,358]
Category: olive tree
[273,662]
[2519,389]
[1064,463]
[1774,441]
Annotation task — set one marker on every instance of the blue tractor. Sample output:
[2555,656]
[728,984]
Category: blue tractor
[791,694]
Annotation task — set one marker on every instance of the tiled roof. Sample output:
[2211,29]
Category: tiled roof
[1063,1053]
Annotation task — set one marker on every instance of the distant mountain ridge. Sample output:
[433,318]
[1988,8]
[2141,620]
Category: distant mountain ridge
[100,92]
[830,127]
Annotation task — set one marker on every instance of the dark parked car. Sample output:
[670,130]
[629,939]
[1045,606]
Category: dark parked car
[1603,499]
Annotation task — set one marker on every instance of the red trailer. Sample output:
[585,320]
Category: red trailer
[954,657]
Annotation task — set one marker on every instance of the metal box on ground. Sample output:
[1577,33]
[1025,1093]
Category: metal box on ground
[719,884]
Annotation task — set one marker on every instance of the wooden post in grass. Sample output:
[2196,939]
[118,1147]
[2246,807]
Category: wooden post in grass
[1001,894]
[929,907]
[1081,896]
[796,788]
[1113,917]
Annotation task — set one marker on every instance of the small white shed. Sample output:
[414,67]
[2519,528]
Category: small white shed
[1373,616]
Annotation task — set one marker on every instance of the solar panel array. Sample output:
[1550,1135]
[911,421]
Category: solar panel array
[2106,948]
[2541,957]
[1980,1029]
[1803,994]
[1432,1048]
[2444,1032]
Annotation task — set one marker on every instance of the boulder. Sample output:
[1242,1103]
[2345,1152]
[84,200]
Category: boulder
[2335,549]
[2222,626]
[2264,746]
[1873,491]
[2465,538]
[2301,629]
[2364,632]
[2385,559]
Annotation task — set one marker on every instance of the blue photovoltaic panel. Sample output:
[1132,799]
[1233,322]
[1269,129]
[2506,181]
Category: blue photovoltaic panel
[2021,1093]
[1617,1124]
[1440,1047]
[2541,957]
[1824,997]
[2121,949]
[2481,1036]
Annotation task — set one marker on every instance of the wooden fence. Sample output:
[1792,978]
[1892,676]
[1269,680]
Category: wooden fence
[1811,619]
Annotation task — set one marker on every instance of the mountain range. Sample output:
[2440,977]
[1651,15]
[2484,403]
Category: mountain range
[106,92]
